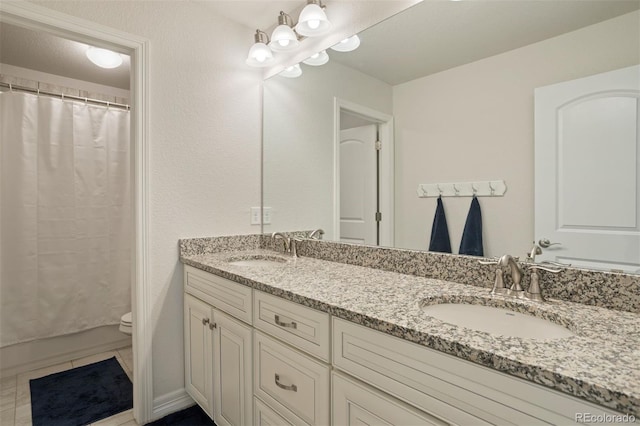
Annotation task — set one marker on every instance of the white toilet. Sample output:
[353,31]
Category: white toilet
[125,323]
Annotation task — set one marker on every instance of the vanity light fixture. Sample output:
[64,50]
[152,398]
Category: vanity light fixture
[260,55]
[318,59]
[313,21]
[348,44]
[104,58]
[283,37]
[293,71]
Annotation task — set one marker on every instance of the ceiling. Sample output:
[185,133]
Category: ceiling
[429,37]
[433,36]
[43,52]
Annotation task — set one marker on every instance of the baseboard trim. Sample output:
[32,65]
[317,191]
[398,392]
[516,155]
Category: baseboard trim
[170,403]
[65,357]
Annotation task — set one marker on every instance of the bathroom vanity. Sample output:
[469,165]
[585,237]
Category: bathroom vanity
[270,339]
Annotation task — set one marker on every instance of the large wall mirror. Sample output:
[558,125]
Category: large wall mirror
[540,95]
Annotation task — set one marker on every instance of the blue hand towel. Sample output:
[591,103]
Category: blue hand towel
[472,235]
[439,231]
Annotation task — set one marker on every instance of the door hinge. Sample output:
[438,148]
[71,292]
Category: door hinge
[378,216]
[378,145]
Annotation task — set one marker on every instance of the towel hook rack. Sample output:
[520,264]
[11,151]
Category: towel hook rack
[495,188]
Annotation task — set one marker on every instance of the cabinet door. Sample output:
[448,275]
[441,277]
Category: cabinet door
[355,403]
[232,376]
[198,352]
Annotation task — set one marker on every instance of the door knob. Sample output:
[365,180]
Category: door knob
[545,243]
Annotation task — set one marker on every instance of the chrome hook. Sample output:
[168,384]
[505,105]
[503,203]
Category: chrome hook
[493,190]
[474,190]
[439,189]
[455,188]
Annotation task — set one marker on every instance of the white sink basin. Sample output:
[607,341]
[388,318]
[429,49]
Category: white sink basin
[497,321]
[258,261]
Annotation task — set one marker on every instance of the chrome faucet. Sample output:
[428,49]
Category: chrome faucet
[290,244]
[516,273]
[534,291]
[313,234]
[279,235]
[293,246]
[535,250]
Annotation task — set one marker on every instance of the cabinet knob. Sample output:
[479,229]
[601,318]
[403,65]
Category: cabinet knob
[212,325]
[205,321]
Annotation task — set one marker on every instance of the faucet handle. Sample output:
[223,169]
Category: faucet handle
[535,292]
[492,261]
[498,284]
[535,266]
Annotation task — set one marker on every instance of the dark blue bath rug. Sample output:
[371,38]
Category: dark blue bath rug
[192,416]
[81,395]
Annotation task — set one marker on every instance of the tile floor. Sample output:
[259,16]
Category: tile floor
[15,397]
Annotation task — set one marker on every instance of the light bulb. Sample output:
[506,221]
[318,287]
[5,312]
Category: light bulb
[293,71]
[283,39]
[317,59]
[348,44]
[259,55]
[313,23]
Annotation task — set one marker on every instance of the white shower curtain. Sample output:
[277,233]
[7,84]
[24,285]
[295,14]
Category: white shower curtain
[65,216]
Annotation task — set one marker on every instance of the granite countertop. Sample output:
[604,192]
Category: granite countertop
[599,364]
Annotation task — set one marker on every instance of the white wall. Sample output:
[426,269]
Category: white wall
[475,122]
[298,153]
[205,134]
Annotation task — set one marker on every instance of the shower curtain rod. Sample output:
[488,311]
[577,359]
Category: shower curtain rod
[12,87]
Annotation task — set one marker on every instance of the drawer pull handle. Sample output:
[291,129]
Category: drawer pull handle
[285,387]
[291,324]
[205,321]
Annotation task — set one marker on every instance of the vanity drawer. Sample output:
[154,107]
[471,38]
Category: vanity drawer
[290,381]
[355,403]
[305,328]
[224,294]
[264,415]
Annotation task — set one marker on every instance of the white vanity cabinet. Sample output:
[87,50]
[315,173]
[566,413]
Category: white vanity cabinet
[447,388]
[254,358]
[198,346]
[291,355]
[218,368]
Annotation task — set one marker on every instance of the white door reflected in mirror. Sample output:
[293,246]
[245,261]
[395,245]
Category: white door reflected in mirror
[587,168]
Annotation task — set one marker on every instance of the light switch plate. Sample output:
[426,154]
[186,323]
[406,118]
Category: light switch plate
[266,215]
[255,216]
